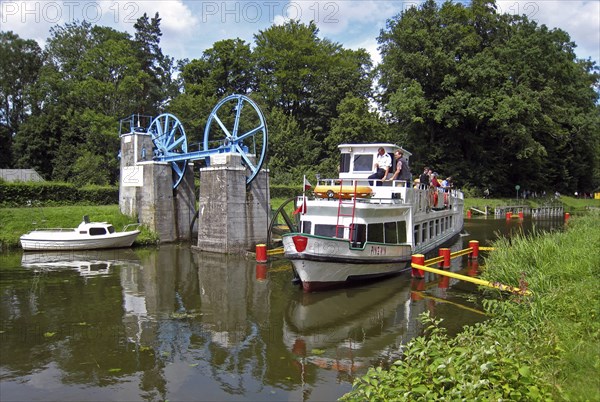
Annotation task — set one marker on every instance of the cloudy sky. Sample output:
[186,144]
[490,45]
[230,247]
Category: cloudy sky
[191,26]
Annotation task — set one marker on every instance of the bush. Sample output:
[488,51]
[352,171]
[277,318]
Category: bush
[285,191]
[53,193]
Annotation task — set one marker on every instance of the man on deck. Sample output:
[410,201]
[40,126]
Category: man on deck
[383,162]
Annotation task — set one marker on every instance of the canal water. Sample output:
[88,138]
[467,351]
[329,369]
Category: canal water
[172,324]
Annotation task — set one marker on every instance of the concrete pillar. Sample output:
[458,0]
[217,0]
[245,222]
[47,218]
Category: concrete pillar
[146,190]
[157,209]
[135,148]
[231,218]
[185,204]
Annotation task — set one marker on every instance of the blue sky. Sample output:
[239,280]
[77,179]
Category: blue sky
[190,27]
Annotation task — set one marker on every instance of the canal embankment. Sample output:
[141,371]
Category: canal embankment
[538,347]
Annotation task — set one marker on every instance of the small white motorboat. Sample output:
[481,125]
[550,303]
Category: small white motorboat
[87,236]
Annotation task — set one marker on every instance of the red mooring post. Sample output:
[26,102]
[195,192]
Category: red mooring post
[261,272]
[474,244]
[521,215]
[444,282]
[469,213]
[416,287]
[473,266]
[445,252]
[418,259]
[508,216]
[261,253]
[567,216]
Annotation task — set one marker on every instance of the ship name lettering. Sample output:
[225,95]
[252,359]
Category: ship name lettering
[377,250]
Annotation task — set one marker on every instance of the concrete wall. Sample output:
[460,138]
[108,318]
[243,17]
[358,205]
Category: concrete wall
[146,190]
[231,219]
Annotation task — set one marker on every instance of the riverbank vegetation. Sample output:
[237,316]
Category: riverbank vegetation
[541,347]
[16,221]
[569,204]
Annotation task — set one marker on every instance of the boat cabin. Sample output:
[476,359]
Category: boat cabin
[95,228]
[357,160]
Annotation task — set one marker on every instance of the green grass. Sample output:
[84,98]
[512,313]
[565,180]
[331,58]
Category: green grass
[16,221]
[570,204]
[542,347]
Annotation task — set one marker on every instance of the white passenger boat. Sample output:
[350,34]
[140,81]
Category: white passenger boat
[351,230]
[87,236]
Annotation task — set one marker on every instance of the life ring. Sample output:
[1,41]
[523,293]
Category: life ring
[345,192]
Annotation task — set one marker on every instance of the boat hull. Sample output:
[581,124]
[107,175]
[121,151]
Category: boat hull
[56,241]
[327,263]
[321,275]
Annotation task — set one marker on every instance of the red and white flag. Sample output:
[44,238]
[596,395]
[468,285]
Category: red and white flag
[307,185]
[302,207]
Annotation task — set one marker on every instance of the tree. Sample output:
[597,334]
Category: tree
[159,86]
[306,76]
[92,76]
[292,153]
[492,99]
[20,63]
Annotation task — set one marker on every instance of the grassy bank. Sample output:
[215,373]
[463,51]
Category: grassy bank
[570,204]
[16,221]
[542,347]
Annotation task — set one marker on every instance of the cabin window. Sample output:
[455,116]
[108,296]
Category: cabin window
[359,233]
[391,233]
[345,163]
[401,231]
[431,229]
[97,231]
[424,231]
[437,227]
[416,234]
[375,232]
[325,230]
[111,229]
[83,232]
[363,163]
[306,226]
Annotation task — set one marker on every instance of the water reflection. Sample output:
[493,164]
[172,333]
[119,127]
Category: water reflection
[174,324]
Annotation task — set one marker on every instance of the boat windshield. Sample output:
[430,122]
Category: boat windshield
[97,231]
[111,229]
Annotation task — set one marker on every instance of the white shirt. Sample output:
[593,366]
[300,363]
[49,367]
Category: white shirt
[383,161]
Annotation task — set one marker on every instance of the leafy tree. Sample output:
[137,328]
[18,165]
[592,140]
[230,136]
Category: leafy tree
[92,76]
[493,99]
[306,76]
[20,63]
[159,86]
[224,69]
[292,153]
[355,124]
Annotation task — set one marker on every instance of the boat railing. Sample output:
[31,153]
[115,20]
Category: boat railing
[54,229]
[131,225]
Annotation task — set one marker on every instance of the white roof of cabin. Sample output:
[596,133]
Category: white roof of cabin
[372,148]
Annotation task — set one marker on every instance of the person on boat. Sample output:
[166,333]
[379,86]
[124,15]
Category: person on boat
[383,162]
[424,179]
[446,186]
[402,171]
[434,186]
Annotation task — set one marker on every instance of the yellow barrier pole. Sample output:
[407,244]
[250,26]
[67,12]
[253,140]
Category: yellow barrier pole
[274,251]
[477,281]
